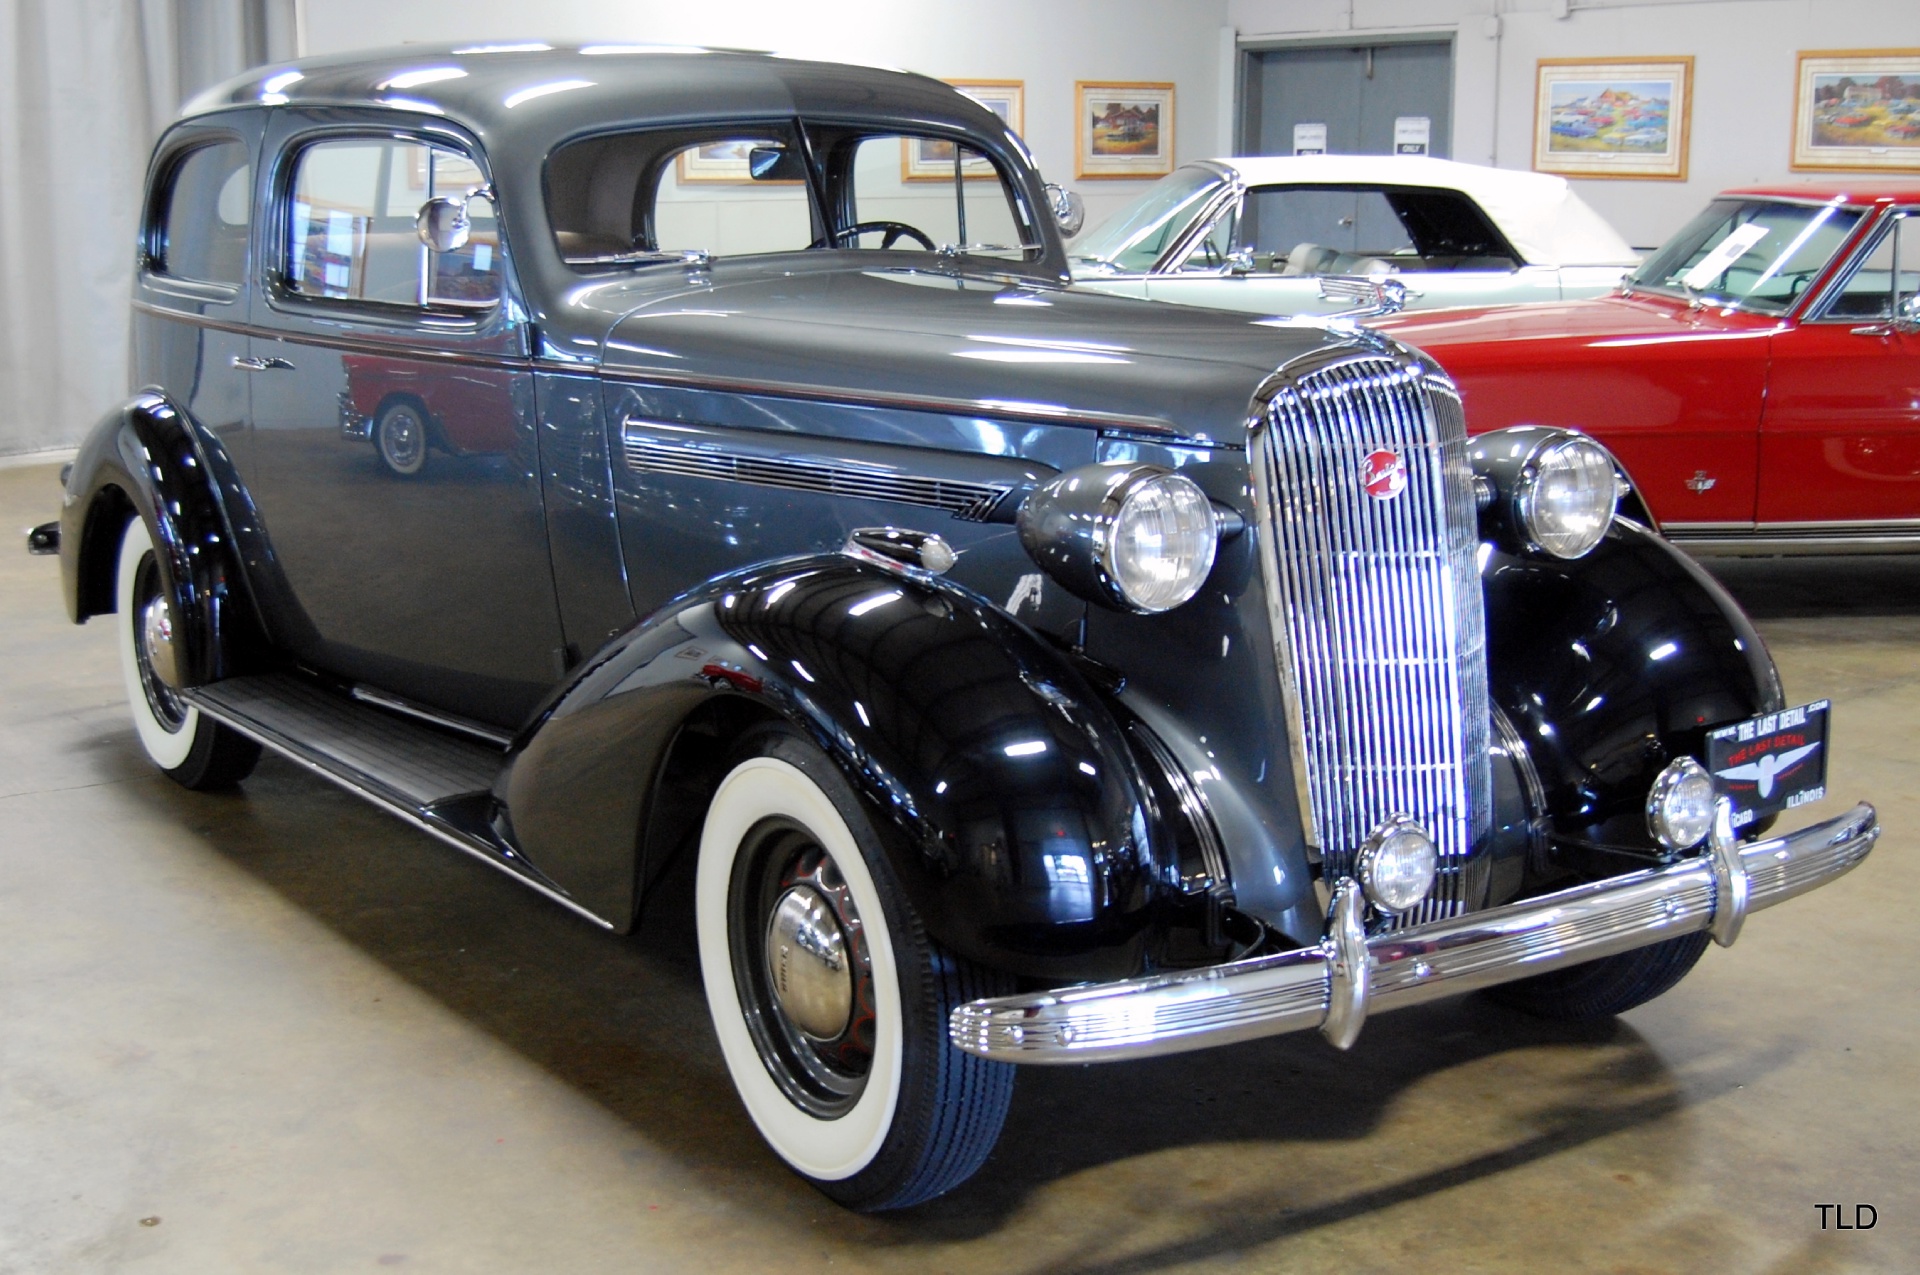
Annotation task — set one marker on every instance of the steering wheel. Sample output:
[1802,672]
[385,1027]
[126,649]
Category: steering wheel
[891,232]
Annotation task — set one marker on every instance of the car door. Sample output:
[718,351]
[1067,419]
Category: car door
[1436,242]
[1840,439]
[190,298]
[393,416]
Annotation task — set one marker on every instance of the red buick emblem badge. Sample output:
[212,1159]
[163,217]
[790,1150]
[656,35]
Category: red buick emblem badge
[1383,474]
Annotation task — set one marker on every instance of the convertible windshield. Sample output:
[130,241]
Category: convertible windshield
[1751,253]
[1132,239]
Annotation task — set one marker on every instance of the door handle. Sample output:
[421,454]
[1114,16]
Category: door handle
[255,364]
[1874,329]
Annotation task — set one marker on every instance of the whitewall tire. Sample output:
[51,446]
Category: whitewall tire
[829,1000]
[191,749]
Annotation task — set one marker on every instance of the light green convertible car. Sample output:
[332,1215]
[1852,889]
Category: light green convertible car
[1261,234]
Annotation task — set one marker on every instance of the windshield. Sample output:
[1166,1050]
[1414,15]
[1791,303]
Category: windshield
[1752,253]
[1132,239]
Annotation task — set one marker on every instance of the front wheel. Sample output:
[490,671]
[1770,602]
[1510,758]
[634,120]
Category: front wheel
[1611,985]
[194,751]
[829,999]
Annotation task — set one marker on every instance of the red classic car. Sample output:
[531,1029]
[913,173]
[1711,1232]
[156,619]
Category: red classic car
[1758,376]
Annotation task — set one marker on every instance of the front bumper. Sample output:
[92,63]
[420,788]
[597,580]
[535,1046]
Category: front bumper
[1350,974]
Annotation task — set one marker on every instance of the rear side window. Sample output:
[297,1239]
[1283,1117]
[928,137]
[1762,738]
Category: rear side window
[203,227]
[352,233]
[636,199]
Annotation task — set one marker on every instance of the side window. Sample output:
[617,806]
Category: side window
[635,199]
[731,197]
[1210,254]
[352,233]
[926,192]
[203,227]
[1884,284]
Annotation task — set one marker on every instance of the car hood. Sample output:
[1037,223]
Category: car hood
[1001,345]
[1619,321]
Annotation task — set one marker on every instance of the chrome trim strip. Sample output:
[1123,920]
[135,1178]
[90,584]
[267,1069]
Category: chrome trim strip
[1790,539]
[419,712]
[998,409]
[647,453]
[1376,607]
[1294,991]
[398,809]
[404,347]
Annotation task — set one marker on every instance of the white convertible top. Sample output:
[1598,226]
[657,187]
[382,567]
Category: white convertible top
[1539,214]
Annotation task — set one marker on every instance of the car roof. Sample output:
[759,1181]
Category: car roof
[1541,216]
[531,94]
[1866,191]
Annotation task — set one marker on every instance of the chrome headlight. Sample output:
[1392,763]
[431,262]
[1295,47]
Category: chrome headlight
[1397,865]
[1138,537]
[1565,498]
[1680,805]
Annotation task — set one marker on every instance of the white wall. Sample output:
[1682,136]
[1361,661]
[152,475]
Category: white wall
[1047,45]
[1743,53]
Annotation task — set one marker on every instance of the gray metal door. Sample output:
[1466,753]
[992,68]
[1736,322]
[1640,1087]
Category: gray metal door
[1356,92]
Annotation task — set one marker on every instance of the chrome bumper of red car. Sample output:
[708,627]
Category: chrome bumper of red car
[1350,974]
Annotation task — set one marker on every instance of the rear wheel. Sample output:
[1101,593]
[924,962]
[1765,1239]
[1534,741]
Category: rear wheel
[193,750]
[829,999]
[1611,985]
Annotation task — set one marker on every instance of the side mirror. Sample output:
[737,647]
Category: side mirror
[1069,210]
[1906,315]
[1240,261]
[443,224]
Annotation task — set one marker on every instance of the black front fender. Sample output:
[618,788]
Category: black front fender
[999,781]
[1611,666]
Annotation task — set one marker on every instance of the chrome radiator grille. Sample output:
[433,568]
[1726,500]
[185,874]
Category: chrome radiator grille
[1378,622]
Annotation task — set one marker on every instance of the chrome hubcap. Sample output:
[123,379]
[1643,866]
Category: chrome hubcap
[153,648]
[807,964]
[156,635]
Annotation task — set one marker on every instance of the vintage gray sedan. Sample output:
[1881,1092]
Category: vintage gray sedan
[1260,233]
[602,458]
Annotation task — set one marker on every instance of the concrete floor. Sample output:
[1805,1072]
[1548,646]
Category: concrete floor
[278,1031]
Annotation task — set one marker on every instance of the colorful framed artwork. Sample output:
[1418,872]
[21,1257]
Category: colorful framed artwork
[929,159]
[1613,117]
[720,163]
[1122,130]
[1857,109]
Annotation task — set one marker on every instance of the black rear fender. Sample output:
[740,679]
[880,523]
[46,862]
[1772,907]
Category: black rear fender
[143,459]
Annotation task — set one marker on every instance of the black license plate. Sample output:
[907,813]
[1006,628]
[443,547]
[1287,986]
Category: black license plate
[1771,763]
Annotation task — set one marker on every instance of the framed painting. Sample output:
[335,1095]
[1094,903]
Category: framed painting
[1613,117]
[929,159]
[1122,130]
[1857,109]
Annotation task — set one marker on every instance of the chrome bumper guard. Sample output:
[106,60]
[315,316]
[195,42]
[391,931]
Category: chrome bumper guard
[1350,974]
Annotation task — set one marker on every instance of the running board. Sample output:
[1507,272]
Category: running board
[437,781]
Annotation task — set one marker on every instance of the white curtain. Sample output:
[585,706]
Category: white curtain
[85,87]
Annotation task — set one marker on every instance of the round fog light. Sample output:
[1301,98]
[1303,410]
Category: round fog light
[1680,805]
[1397,865]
